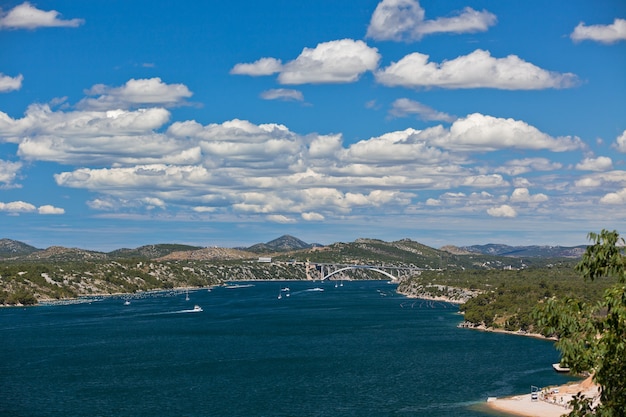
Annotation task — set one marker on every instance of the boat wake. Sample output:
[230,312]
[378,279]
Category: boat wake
[316,289]
[195,309]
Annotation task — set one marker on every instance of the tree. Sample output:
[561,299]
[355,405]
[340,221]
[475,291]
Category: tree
[592,338]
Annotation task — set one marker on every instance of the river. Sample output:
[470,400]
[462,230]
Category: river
[258,349]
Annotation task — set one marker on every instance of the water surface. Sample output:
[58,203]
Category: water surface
[354,350]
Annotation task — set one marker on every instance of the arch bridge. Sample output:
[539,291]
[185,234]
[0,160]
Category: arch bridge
[380,269]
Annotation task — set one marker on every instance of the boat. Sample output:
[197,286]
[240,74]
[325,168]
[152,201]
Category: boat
[127,302]
[187,296]
[234,286]
[557,367]
[197,308]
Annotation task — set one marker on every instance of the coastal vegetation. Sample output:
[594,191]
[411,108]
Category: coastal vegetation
[493,291]
[504,299]
[29,275]
[592,336]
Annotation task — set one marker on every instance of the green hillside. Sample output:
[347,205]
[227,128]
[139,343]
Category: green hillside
[494,291]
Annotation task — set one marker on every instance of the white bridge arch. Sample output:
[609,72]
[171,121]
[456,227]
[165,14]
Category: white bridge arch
[371,268]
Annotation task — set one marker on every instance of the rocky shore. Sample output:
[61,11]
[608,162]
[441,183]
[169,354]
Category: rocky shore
[436,292]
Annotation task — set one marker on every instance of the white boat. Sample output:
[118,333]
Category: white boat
[127,302]
[187,296]
[557,367]
[197,308]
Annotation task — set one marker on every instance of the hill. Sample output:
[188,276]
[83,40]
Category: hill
[209,254]
[12,248]
[31,274]
[404,252]
[533,251]
[151,251]
[59,253]
[284,243]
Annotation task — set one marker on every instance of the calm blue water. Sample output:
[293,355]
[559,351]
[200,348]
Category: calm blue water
[355,350]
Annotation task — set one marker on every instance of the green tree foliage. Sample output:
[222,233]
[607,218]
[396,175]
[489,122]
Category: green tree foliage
[592,337]
[508,297]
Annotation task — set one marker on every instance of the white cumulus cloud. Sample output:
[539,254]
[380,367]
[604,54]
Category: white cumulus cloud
[312,217]
[8,83]
[79,137]
[279,218]
[616,198]
[522,195]
[17,207]
[136,161]
[48,209]
[620,142]
[502,211]
[476,70]
[482,132]
[8,173]
[493,180]
[400,20]
[601,163]
[395,147]
[26,16]
[600,33]
[403,107]
[263,66]
[522,166]
[284,94]
[135,93]
[339,61]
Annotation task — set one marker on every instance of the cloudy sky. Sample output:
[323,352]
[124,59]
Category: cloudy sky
[124,123]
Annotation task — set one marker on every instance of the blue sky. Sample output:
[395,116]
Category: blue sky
[124,123]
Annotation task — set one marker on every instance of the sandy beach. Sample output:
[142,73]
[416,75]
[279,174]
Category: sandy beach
[550,402]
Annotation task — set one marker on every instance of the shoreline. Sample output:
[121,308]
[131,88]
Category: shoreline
[550,401]
[471,326]
[522,405]
[483,328]
[96,296]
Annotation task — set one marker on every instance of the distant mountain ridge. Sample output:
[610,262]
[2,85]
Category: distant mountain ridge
[12,249]
[532,251]
[60,253]
[152,251]
[29,275]
[282,244]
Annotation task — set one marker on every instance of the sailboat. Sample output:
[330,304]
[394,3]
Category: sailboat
[187,295]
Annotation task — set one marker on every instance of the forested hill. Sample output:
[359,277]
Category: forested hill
[16,250]
[534,251]
[29,275]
